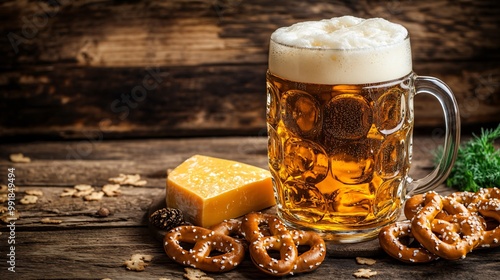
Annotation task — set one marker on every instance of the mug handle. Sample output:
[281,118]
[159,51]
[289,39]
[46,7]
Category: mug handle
[444,95]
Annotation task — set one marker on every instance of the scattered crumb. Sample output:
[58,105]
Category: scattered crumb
[137,262]
[68,192]
[364,273]
[196,274]
[94,196]
[3,198]
[132,180]
[83,193]
[4,189]
[19,158]
[367,261]
[29,199]
[3,209]
[83,190]
[50,221]
[34,192]
[7,217]
[111,189]
[83,187]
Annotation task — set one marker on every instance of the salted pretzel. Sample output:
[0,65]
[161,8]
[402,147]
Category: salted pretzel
[413,205]
[449,226]
[256,225]
[229,227]
[490,209]
[437,236]
[467,198]
[312,258]
[486,204]
[391,240]
[232,228]
[471,199]
[204,242]
[280,240]
[267,233]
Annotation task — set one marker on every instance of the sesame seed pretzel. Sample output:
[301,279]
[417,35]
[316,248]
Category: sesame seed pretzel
[205,241]
[390,239]
[437,236]
[281,240]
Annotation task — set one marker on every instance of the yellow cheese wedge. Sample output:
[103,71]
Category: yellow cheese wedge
[210,190]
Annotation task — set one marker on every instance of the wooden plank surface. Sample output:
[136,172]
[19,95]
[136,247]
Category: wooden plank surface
[182,67]
[86,246]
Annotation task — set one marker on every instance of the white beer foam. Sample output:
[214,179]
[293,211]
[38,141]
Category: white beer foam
[344,50]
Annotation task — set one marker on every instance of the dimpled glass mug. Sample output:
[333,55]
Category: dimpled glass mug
[340,123]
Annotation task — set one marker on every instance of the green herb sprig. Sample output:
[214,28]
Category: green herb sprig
[477,164]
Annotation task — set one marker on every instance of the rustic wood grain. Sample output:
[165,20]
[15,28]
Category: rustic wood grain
[191,68]
[86,246]
[100,253]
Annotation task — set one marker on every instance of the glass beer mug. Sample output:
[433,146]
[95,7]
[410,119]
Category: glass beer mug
[340,122]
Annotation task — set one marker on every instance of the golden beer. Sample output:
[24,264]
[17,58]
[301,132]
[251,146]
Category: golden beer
[339,153]
[340,124]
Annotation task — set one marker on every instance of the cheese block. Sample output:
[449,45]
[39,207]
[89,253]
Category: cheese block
[210,190]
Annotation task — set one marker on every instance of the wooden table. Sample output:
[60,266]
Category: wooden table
[87,246]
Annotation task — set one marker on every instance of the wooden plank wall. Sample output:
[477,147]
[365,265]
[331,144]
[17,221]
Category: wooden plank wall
[107,69]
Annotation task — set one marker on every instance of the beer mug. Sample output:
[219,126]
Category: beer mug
[340,96]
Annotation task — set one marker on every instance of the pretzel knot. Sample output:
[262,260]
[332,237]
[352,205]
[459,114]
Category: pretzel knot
[486,205]
[490,209]
[452,236]
[231,227]
[471,200]
[280,240]
[391,240]
[204,242]
[415,204]
[312,258]
[267,233]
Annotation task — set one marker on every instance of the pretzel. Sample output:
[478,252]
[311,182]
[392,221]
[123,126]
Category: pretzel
[413,205]
[231,227]
[257,225]
[390,239]
[205,241]
[486,204]
[280,240]
[470,199]
[490,209]
[312,258]
[447,242]
[449,226]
